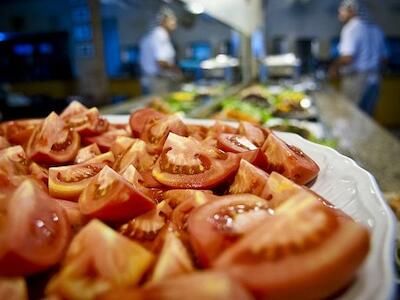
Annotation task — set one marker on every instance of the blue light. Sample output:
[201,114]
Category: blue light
[3,36]
[23,49]
[45,48]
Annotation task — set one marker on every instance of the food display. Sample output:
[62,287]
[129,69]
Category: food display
[162,209]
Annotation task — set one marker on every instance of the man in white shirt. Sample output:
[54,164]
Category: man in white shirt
[361,51]
[157,55]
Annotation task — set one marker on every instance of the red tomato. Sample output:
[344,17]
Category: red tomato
[34,234]
[254,133]
[305,250]
[176,197]
[121,145]
[4,143]
[68,182]
[199,132]
[188,163]
[18,132]
[216,225]
[105,140]
[111,260]
[86,153]
[52,142]
[220,127]
[140,118]
[289,161]
[109,196]
[13,289]
[173,259]
[194,286]
[156,132]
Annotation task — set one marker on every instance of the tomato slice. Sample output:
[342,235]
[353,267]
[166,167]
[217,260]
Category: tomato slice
[289,161]
[75,218]
[218,128]
[173,259]
[109,196]
[306,250]
[140,118]
[86,153]
[195,286]
[198,132]
[188,163]
[156,132]
[18,132]
[176,197]
[85,121]
[68,182]
[4,143]
[13,289]
[254,133]
[105,140]
[99,259]
[34,232]
[53,142]
[216,225]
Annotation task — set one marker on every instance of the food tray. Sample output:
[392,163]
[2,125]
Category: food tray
[355,191]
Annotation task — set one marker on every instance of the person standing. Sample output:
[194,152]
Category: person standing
[361,54]
[157,55]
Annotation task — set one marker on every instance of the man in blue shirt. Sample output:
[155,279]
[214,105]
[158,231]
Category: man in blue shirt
[362,50]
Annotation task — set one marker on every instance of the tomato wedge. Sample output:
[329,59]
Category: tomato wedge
[18,132]
[254,133]
[311,251]
[105,140]
[188,163]
[4,143]
[173,259]
[85,121]
[52,142]
[39,172]
[34,233]
[13,161]
[216,225]
[86,153]
[156,132]
[289,161]
[235,143]
[109,196]
[98,260]
[68,182]
[194,286]
[140,118]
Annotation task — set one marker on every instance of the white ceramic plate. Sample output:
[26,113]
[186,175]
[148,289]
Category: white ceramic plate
[355,191]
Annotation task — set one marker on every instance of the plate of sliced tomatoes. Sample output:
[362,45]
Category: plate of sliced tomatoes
[152,206]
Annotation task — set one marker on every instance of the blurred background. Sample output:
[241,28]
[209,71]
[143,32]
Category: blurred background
[51,51]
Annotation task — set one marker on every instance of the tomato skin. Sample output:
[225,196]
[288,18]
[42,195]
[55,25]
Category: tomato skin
[209,285]
[111,260]
[105,140]
[216,225]
[47,136]
[35,234]
[289,161]
[68,182]
[310,252]
[235,143]
[140,118]
[109,196]
[216,166]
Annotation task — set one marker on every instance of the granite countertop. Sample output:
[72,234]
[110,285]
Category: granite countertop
[361,138]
